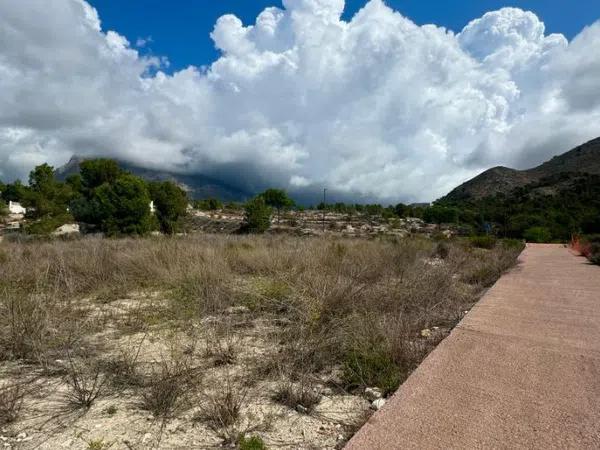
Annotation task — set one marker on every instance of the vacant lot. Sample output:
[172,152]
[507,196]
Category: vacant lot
[209,340]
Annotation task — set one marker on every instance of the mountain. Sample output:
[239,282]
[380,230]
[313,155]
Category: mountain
[197,186]
[584,159]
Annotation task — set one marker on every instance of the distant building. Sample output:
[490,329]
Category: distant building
[152,207]
[16,208]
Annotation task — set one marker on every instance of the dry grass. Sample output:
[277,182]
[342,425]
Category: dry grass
[11,401]
[350,307]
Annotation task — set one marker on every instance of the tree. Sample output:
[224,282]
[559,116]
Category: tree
[401,209]
[96,172]
[278,199]
[14,192]
[170,202]
[440,214]
[3,208]
[123,206]
[257,216]
[208,204]
[46,196]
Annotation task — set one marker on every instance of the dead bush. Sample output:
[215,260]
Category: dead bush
[221,409]
[11,401]
[86,382]
[302,395]
[168,387]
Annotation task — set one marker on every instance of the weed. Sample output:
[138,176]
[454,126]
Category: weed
[301,396]
[251,443]
[11,401]
[86,382]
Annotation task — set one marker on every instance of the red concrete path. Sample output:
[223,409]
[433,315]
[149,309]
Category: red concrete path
[522,370]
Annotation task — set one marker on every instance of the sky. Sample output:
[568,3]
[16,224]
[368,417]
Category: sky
[389,101]
[181,30]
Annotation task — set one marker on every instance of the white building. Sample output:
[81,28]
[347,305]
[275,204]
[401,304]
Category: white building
[16,208]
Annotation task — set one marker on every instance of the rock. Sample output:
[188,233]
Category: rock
[68,228]
[237,310]
[378,404]
[301,409]
[426,333]
[373,394]
[22,435]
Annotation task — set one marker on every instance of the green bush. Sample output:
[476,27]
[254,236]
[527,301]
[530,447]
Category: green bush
[208,204]
[487,242]
[170,202]
[372,366]
[48,224]
[257,216]
[3,208]
[251,443]
[537,234]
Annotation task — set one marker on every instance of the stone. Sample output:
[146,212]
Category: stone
[68,228]
[373,394]
[301,409]
[426,333]
[378,404]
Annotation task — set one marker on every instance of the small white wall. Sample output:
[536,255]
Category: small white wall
[15,208]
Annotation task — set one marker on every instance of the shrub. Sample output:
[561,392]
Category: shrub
[170,202]
[301,396]
[167,388]
[11,401]
[537,235]
[486,242]
[221,410]
[257,216]
[251,443]
[372,367]
[86,383]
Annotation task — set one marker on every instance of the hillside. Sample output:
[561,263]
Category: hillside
[582,159]
[197,186]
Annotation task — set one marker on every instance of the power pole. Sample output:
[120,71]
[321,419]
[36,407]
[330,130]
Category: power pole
[324,206]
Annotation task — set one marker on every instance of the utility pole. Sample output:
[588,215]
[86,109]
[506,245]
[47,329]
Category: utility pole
[324,206]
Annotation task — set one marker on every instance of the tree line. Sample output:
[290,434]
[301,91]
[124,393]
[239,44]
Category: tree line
[102,195]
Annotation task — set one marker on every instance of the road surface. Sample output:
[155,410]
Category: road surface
[522,370]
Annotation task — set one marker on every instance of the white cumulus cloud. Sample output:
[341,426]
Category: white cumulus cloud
[375,107]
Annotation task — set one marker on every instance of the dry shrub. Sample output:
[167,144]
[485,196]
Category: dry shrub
[221,409]
[86,382]
[11,401]
[169,386]
[302,396]
[222,344]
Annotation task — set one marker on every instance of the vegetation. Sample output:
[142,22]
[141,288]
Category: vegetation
[257,216]
[208,204]
[300,313]
[278,199]
[171,204]
[102,196]
[552,209]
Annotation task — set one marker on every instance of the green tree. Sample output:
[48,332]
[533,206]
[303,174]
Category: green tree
[3,208]
[208,204]
[257,216]
[537,234]
[14,192]
[278,199]
[123,206]
[96,172]
[440,214]
[46,196]
[170,202]
[401,209]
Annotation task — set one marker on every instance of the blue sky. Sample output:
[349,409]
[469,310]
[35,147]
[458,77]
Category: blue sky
[180,28]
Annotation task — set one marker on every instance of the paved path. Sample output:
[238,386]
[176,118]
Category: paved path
[522,370]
